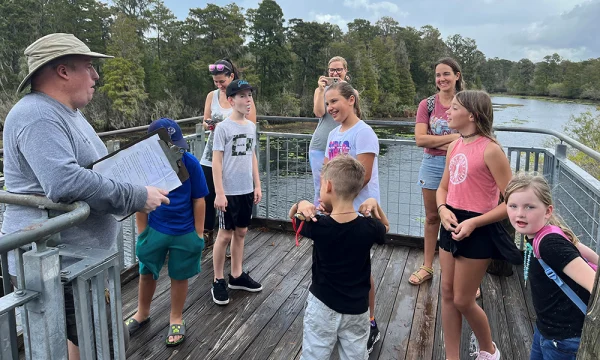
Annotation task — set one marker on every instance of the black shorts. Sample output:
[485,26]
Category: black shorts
[491,241]
[72,323]
[239,212]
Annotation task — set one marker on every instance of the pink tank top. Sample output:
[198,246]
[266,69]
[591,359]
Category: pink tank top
[471,185]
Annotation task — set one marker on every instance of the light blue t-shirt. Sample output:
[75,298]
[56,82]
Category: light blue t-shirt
[359,139]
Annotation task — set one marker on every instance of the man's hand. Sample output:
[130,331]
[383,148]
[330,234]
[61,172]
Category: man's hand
[156,197]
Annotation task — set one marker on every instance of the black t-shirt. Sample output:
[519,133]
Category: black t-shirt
[557,316]
[342,262]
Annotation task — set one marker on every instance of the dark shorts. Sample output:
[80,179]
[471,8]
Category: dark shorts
[185,253]
[238,212]
[491,241]
[72,323]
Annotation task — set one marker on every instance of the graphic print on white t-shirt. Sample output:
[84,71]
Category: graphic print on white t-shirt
[458,168]
[242,145]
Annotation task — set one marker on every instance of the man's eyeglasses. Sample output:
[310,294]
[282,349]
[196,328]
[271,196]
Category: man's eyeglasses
[338,70]
[217,68]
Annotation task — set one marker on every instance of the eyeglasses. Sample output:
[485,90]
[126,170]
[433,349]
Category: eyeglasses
[338,70]
[218,68]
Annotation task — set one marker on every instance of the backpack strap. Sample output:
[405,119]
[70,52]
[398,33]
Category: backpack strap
[564,287]
[430,106]
[553,229]
[548,229]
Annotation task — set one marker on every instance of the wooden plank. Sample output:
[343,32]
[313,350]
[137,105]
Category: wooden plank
[387,289]
[242,328]
[439,351]
[519,327]
[420,345]
[493,303]
[398,329]
[590,347]
[527,294]
[392,239]
[217,320]
[266,341]
[290,343]
[199,292]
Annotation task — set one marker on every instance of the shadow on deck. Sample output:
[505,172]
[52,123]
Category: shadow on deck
[268,325]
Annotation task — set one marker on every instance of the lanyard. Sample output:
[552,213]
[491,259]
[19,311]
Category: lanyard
[297,227]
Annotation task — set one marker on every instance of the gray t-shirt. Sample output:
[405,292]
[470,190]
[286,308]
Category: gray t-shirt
[237,141]
[47,147]
[324,127]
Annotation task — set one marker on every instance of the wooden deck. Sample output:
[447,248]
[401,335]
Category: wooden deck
[268,325]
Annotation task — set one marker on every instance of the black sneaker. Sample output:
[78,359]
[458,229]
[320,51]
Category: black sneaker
[219,292]
[374,337]
[244,282]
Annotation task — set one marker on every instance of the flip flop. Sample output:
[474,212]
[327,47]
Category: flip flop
[176,330]
[133,325]
[422,279]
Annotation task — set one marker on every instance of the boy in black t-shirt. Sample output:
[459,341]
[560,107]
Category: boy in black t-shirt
[338,304]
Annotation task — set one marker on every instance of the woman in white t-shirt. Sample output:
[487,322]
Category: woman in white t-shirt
[216,109]
[357,139]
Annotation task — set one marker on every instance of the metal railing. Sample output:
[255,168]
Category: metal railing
[39,287]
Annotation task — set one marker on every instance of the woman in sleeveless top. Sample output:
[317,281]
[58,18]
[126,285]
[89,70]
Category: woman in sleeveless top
[338,68]
[433,134]
[216,109]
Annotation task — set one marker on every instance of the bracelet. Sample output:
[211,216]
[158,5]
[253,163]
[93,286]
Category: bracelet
[438,208]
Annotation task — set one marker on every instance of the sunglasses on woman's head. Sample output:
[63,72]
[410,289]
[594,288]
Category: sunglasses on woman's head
[218,67]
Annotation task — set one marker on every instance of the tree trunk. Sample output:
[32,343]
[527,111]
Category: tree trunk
[589,348]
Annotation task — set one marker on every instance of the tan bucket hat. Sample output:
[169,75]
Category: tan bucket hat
[53,46]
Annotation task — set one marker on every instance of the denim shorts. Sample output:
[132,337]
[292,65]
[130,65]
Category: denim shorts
[547,349]
[431,171]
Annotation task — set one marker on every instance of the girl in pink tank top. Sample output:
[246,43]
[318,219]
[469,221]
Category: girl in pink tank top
[476,171]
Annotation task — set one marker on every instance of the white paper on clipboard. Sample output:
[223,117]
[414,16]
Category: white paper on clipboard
[143,163]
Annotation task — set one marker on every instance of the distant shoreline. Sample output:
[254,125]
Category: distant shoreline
[551,99]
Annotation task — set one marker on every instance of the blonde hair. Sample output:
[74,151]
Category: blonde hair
[479,104]
[344,63]
[523,181]
[346,174]
[346,90]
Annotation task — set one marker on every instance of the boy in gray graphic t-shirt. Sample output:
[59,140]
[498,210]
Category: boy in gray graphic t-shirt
[237,188]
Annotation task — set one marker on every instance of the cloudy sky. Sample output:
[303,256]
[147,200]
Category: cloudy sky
[509,29]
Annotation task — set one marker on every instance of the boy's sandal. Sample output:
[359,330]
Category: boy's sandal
[133,325]
[176,330]
[422,279]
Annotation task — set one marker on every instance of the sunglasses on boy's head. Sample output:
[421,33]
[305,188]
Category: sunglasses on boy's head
[218,67]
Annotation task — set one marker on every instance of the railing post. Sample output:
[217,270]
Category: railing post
[589,347]
[199,141]
[257,151]
[46,314]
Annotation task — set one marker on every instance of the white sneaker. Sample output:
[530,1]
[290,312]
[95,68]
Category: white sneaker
[484,355]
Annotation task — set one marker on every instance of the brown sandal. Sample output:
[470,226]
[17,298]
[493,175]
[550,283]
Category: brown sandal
[422,279]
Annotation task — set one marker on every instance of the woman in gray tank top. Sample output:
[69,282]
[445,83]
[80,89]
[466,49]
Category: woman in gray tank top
[337,68]
[216,109]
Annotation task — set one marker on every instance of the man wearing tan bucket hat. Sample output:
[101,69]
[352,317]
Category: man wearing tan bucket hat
[48,144]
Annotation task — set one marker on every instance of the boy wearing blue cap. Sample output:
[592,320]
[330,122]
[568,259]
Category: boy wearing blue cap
[237,189]
[175,229]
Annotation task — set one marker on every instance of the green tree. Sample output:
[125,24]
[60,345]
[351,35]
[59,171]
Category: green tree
[268,45]
[465,51]
[546,72]
[307,39]
[521,77]
[494,74]
[584,128]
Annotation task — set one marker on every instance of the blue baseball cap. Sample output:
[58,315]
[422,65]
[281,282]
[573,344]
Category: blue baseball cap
[172,128]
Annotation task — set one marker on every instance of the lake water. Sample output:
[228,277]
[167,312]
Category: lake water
[512,111]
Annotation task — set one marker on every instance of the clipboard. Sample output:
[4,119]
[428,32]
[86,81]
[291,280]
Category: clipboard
[172,152]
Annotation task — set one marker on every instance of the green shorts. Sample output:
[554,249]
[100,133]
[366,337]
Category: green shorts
[185,253]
